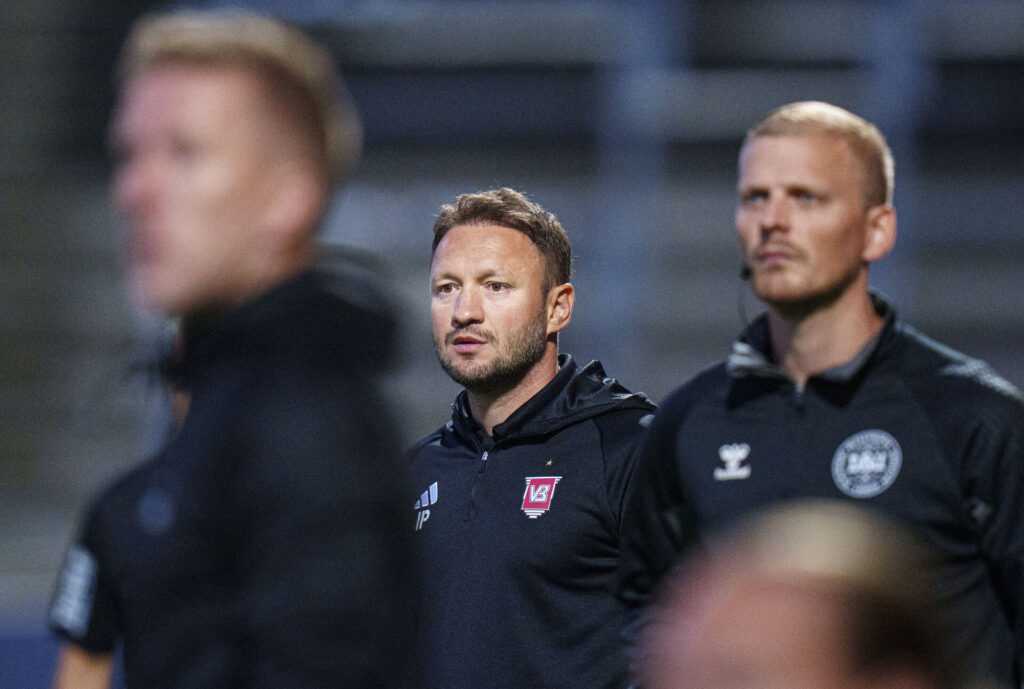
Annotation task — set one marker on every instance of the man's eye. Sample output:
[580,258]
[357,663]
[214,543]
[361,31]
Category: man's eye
[749,197]
[497,286]
[446,288]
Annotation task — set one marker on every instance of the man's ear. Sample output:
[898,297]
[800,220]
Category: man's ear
[561,299]
[295,204]
[881,232]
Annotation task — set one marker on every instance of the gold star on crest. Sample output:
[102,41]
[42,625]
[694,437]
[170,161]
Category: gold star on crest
[549,463]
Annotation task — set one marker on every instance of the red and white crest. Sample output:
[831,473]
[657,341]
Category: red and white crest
[539,492]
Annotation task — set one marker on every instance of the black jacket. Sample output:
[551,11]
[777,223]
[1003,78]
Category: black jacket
[519,536]
[262,547]
[910,428]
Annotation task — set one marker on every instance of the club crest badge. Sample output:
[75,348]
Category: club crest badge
[540,490]
[866,464]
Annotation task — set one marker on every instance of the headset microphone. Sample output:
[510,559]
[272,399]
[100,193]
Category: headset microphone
[741,294]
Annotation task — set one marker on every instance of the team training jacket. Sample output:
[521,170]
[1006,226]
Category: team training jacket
[519,536]
[262,547]
[910,428]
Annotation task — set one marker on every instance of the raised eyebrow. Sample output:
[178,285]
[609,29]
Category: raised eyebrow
[804,189]
[444,275]
[486,276]
[442,279]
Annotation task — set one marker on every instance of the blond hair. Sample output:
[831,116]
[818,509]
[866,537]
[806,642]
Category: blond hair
[879,574]
[300,72]
[808,118]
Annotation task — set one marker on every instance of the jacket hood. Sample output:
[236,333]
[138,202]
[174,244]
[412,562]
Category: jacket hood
[573,395]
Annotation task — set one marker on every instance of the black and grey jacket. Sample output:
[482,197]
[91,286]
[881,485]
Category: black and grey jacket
[910,428]
[519,534]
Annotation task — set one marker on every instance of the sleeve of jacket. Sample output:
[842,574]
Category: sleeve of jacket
[993,476]
[658,523]
[326,563]
[621,432]
[83,610]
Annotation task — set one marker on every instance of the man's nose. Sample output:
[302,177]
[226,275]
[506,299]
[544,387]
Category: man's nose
[468,307]
[134,185]
[774,215]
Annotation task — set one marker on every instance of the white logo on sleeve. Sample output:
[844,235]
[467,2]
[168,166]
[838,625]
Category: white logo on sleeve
[733,455]
[73,603]
[866,463]
[428,498]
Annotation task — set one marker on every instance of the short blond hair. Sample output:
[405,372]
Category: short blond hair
[809,118]
[300,72]
[879,574]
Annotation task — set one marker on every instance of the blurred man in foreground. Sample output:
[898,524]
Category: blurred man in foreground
[819,595]
[261,547]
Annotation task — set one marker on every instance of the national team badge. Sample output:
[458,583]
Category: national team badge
[866,464]
[538,495]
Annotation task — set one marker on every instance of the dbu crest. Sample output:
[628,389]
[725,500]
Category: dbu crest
[538,495]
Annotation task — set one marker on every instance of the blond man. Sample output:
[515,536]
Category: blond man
[808,595]
[828,394]
[259,547]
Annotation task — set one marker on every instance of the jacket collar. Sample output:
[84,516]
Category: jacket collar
[572,395]
[752,356]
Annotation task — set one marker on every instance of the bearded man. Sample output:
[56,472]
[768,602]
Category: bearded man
[522,492]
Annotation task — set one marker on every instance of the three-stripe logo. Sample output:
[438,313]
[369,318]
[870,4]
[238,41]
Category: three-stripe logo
[422,506]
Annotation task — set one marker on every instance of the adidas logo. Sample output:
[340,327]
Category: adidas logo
[422,505]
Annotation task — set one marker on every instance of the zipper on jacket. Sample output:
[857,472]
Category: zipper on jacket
[799,393]
[475,487]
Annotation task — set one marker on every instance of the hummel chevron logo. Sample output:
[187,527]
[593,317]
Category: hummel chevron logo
[428,498]
[733,456]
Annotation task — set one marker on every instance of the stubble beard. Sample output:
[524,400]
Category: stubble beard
[801,305]
[521,352]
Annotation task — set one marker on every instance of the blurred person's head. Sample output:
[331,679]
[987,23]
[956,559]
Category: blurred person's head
[813,207]
[813,595]
[229,131]
[500,291]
